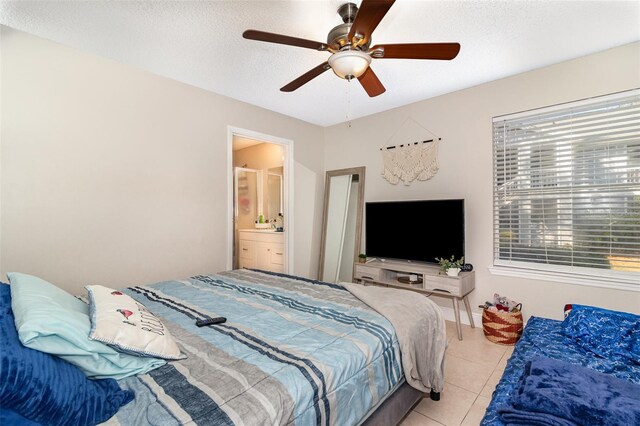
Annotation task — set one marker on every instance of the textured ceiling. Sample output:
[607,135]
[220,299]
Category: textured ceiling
[200,43]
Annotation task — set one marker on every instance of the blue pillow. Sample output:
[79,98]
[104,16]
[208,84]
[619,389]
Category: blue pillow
[609,334]
[51,320]
[45,389]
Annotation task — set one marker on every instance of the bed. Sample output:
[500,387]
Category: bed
[545,339]
[294,351]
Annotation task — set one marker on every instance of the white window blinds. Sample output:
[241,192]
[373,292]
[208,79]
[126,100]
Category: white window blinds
[567,187]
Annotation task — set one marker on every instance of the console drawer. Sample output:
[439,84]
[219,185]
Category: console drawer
[363,272]
[442,283]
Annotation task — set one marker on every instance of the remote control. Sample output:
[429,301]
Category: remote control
[210,321]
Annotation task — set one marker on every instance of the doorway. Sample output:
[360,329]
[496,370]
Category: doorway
[260,205]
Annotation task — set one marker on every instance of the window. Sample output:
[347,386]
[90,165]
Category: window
[566,192]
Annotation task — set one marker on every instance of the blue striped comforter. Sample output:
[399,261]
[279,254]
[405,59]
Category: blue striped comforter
[293,351]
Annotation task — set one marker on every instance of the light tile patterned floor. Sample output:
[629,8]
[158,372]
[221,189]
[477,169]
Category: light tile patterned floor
[473,367]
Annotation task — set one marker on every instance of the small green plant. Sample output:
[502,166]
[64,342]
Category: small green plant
[446,264]
[362,258]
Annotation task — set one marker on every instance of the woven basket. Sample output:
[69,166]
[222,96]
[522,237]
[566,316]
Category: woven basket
[503,328]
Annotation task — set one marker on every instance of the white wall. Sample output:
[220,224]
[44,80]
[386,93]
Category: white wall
[112,175]
[464,121]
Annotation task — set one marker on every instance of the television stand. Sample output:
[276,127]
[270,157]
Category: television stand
[429,280]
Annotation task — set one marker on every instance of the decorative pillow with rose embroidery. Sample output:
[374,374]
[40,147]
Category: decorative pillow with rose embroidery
[128,326]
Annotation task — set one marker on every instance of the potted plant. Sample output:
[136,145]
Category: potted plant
[362,258]
[450,266]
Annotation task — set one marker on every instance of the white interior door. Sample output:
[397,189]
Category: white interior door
[247,203]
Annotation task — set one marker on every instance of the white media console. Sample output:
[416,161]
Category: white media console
[422,278]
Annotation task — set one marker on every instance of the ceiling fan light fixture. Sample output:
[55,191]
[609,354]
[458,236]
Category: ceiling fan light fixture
[349,64]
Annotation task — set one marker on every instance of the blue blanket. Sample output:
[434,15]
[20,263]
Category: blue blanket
[545,337]
[553,392]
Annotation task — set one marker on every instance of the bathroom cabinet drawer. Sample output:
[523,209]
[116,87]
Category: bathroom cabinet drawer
[247,250]
[261,250]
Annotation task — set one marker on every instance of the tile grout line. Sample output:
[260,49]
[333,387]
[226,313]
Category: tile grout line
[469,410]
[483,386]
[428,417]
[477,363]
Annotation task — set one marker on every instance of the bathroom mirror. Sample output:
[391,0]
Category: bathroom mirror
[341,224]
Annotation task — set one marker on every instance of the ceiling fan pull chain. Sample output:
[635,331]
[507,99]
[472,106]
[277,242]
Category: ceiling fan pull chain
[348,117]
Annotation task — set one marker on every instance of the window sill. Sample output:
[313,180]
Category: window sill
[628,281]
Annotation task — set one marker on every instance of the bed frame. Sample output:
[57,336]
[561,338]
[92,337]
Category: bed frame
[397,406]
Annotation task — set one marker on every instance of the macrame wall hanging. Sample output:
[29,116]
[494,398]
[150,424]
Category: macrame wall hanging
[408,161]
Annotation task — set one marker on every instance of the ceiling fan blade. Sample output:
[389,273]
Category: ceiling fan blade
[369,16]
[306,77]
[371,83]
[443,51]
[283,39]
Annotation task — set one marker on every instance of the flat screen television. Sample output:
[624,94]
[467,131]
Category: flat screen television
[415,230]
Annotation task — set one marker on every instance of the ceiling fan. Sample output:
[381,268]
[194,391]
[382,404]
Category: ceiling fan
[349,44]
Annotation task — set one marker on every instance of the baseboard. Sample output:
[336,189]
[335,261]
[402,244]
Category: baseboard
[464,318]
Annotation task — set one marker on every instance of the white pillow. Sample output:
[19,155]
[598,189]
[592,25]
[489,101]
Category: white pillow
[127,325]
